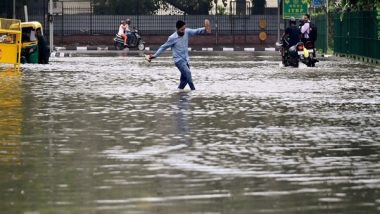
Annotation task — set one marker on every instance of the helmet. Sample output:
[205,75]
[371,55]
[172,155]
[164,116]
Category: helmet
[292,20]
[128,21]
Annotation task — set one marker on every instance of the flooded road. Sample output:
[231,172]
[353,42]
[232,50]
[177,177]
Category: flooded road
[112,134]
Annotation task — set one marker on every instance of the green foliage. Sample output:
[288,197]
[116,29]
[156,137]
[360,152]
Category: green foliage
[132,7]
[356,5]
[192,7]
[125,7]
[221,10]
[258,6]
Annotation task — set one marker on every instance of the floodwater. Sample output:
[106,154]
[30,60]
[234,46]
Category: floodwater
[110,133]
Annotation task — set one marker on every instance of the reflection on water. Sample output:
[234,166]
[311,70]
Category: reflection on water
[113,135]
[10,116]
[182,117]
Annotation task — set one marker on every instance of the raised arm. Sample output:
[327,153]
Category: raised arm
[198,31]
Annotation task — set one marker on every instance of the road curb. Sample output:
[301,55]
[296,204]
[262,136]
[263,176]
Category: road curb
[154,48]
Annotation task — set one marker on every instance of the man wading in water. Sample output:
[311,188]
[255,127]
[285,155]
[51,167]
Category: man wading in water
[179,42]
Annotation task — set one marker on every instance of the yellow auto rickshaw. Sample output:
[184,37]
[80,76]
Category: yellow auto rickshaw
[10,41]
[34,46]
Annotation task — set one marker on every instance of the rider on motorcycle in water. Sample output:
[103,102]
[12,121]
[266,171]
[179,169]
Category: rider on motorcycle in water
[291,36]
[292,33]
[127,28]
[122,29]
[128,37]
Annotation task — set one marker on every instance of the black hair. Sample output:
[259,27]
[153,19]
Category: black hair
[308,16]
[180,24]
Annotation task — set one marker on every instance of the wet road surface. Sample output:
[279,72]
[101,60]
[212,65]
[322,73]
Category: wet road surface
[112,134]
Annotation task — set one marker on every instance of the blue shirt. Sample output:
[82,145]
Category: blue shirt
[180,44]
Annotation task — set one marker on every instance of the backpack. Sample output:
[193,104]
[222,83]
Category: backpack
[313,32]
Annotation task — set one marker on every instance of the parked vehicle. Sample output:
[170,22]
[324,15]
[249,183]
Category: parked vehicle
[134,41]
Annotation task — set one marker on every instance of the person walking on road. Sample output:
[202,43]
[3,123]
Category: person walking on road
[179,42]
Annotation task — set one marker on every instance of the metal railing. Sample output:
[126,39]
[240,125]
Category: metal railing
[85,21]
[320,23]
[357,33]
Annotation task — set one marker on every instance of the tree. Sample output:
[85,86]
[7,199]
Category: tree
[258,7]
[344,5]
[192,7]
[146,7]
[221,10]
[125,7]
[241,7]
[6,9]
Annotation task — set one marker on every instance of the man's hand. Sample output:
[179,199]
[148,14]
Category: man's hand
[207,26]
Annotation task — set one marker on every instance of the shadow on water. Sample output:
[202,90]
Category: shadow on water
[112,134]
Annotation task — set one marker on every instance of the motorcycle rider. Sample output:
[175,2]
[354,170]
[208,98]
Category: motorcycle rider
[127,29]
[291,36]
[292,33]
[121,32]
[305,29]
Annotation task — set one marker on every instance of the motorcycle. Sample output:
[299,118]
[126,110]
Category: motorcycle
[292,56]
[134,41]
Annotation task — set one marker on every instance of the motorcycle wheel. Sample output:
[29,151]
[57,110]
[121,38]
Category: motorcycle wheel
[296,64]
[119,46]
[310,63]
[141,45]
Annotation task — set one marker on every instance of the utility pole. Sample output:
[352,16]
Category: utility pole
[278,20]
[216,22]
[26,13]
[327,25]
[14,9]
[51,29]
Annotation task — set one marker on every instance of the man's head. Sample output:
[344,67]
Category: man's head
[128,21]
[38,31]
[181,26]
[292,21]
[306,17]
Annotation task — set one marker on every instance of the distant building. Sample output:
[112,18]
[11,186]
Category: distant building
[272,3]
[81,6]
[232,8]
